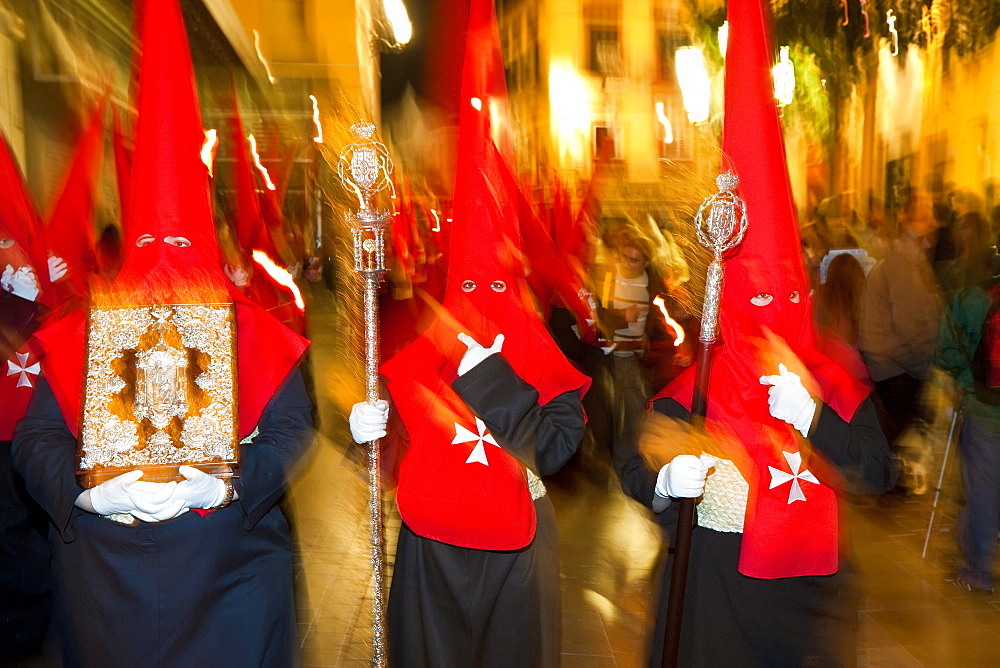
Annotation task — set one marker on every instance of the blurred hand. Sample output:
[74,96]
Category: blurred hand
[368,421]
[633,313]
[684,477]
[237,274]
[789,400]
[57,268]
[21,282]
[476,353]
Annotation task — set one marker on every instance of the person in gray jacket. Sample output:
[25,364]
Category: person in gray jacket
[900,312]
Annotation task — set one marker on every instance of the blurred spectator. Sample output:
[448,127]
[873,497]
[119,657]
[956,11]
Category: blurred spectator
[838,300]
[973,251]
[816,243]
[900,313]
[626,291]
[961,336]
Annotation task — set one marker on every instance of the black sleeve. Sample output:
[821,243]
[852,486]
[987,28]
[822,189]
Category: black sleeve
[560,325]
[266,463]
[43,452]
[545,437]
[637,478]
[858,447]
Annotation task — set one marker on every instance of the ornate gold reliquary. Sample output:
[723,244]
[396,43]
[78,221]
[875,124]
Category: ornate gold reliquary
[160,392]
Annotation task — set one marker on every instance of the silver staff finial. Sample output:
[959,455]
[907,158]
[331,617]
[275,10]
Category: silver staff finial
[720,231]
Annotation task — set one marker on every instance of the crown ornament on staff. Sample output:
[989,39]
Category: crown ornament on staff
[719,231]
[364,168]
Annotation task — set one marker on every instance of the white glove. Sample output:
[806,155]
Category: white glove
[684,477]
[476,353]
[237,274]
[368,421]
[57,268]
[114,496]
[198,489]
[21,282]
[789,400]
[155,501]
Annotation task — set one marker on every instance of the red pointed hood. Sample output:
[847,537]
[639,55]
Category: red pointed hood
[170,236]
[486,291]
[170,199]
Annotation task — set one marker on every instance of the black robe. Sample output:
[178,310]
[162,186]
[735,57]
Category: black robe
[455,606]
[732,619]
[197,591]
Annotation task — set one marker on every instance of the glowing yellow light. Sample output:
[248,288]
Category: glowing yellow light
[668,132]
[319,128]
[723,38]
[256,161]
[570,107]
[477,103]
[673,324]
[784,78]
[208,150]
[402,29]
[693,79]
[890,18]
[437,221]
[281,275]
[260,56]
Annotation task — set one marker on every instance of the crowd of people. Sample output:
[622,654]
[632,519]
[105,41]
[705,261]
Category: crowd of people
[573,338]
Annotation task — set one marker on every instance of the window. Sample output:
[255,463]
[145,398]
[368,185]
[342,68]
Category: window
[605,51]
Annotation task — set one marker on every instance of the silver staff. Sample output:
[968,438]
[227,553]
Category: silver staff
[720,231]
[364,167]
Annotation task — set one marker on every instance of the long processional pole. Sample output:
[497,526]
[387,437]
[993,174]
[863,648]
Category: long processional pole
[720,231]
[364,168]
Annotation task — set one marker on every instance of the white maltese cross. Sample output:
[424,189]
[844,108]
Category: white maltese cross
[463,435]
[779,477]
[22,367]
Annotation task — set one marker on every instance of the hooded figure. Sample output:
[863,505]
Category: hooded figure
[476,574]
[769,583]
[169,586]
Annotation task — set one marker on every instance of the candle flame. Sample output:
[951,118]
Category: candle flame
[668,132]
[281,275]
[256,161]
[319,128]
[260,56]
[208,150]
[890,18]
[673,324]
